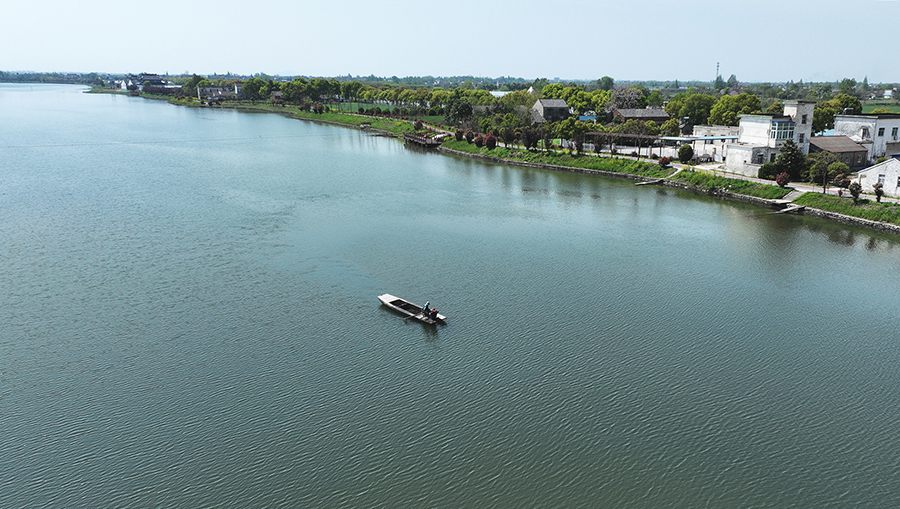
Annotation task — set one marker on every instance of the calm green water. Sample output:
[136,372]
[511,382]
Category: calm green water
[188,319]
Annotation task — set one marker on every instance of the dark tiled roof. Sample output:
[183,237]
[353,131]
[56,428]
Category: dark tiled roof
[836,144]
[553,103]
[642,113]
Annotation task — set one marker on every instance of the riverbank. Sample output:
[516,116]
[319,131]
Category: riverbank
[884,217]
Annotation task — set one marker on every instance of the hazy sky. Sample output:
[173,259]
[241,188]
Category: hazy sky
[756,40]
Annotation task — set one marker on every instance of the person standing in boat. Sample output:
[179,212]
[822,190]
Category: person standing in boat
[426,308]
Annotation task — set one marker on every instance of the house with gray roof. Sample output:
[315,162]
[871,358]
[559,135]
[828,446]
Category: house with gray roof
[549,110]
[844,148]
[657,115]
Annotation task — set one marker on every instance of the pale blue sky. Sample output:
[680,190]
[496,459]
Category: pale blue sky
[757,40]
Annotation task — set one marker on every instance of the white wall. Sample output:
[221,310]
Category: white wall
[891,171]
[754,130]
[797,110]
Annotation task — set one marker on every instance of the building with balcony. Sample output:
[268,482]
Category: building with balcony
[761,136]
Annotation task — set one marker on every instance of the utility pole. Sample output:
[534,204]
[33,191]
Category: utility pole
[717,71]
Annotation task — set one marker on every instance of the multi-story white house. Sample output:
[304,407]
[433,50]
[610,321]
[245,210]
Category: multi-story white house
[879,133]
[761,136]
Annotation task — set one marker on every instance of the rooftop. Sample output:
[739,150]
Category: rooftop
[642,112]
[836,144]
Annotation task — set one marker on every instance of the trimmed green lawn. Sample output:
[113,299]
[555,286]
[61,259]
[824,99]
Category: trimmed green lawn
[385,124]
[865,209]
[589,162]
[745,187]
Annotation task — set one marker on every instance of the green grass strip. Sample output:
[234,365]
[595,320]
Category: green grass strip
[561,158]
[865,209]
[711,182]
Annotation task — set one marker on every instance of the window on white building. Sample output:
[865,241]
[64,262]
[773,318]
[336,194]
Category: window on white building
[881,179]
[783,130]
[865,132]
[881,131]
[801,137]
[803,120]
[894,133]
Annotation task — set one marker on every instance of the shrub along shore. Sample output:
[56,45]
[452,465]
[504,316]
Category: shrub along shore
[878,216]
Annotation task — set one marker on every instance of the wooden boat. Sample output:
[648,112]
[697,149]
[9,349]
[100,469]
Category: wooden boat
[410,310]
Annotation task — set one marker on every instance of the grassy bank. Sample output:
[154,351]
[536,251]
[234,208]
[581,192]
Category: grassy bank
[865,209]
[589,162]
[711,183]
[353,120]
[384,124]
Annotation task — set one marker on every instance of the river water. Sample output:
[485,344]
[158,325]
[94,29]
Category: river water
[188,318]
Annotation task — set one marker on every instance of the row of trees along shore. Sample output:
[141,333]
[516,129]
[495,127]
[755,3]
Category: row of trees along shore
[474,107]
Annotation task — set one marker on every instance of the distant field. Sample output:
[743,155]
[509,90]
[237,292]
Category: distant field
[868,106]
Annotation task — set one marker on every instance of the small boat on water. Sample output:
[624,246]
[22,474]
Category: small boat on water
[411,310]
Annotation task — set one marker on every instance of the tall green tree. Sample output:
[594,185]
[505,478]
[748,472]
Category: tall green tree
[818,166]
[294,91]
[719,84]
[606,83]
[553,91]
[776,108]
[791,160]
[538,86]
[350,89]
[252,88]
[670,128]
[847,86]
[190,86]
[458,107]
[728,107]
[697,108]
[824,112]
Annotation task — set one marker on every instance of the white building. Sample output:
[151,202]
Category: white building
[761,136]
[887,172]
[879,133]
[709,141]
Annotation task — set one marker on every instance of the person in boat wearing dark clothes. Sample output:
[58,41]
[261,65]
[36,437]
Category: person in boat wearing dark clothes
[426,308]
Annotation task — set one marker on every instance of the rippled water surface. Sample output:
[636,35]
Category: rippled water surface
[188,319]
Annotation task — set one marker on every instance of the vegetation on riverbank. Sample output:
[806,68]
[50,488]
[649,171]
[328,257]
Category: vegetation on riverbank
[864,209]
[393,126]
[561,158]
[709,182]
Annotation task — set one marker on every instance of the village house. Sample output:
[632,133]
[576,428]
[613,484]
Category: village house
[549,110]
[709,141]
[845,149]
[879,133]
[657,115]
[138,82]
[887,173]
[214,93]
[761,136]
